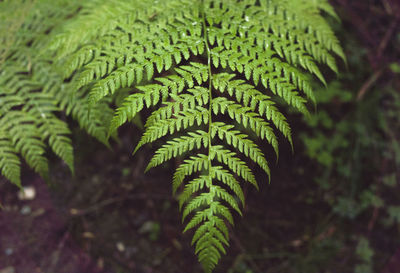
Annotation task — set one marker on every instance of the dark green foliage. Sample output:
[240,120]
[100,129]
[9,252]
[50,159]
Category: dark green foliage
[32,94]
[206,69]
[354,152]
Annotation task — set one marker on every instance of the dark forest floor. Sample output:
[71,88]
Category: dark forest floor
[112,218]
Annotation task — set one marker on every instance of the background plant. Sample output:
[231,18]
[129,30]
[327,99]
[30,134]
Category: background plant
[354,141]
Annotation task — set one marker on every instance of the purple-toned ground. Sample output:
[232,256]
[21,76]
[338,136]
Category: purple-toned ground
[34,236]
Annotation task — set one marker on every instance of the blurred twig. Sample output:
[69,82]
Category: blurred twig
[367,85]
[381,48]
[95,207]
[388,35]
[55,257]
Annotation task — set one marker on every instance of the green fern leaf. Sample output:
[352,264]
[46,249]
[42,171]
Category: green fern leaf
[224,41]
[210,72]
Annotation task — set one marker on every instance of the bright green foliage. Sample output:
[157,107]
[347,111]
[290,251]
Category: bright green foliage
[209,70]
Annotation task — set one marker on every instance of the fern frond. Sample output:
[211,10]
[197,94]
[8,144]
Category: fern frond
[235,164]
[190,166]
[134,103]
[9,161]
[179,122]
[179,146]
[33,94]
[209,71]
[169,85]
[183,102]
[239,64]
[246,117]
[241,142]
[224,176]
[251,97]
[26,139]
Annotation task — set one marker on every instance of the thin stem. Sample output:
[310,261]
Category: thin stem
[205,36]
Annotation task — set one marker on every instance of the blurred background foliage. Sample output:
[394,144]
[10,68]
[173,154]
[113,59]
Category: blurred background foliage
[332,207]
[353,139]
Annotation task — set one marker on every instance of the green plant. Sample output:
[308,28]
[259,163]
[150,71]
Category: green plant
[33,94]
[365,254]
[209,70]
[353,147]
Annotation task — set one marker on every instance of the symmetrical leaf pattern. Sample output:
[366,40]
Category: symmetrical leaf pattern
[211,73]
